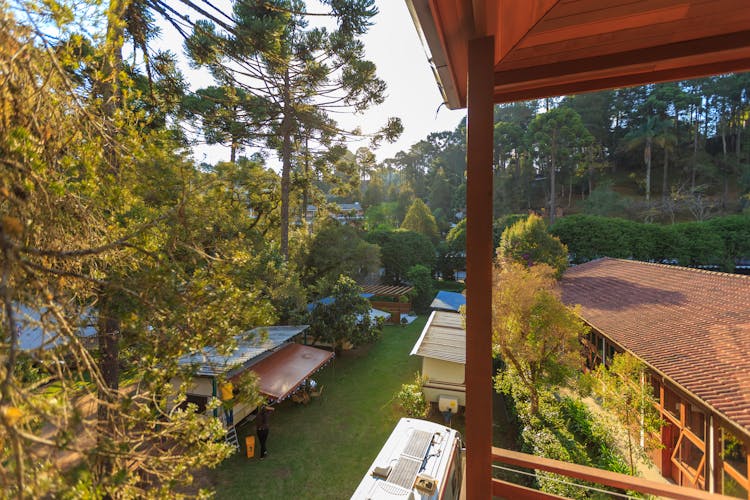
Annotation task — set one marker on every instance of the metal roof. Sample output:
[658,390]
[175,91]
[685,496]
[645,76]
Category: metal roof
[448,301]
[281,373]
[327,301]
[250,345]
[38,329]
[443,337]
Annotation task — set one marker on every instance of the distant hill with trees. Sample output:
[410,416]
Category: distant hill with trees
[657,153]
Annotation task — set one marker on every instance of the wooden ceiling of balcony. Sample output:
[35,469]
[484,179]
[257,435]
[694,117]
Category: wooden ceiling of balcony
[554,47]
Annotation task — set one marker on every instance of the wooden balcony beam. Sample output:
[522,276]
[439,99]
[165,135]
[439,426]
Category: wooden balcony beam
[479,253]
[600,476]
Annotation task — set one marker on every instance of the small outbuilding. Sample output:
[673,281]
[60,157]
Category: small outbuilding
[442,347]
[281,364]
[392,299]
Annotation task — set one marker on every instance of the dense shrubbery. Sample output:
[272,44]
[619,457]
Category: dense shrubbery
[411,398]
[424,288]
[718,242]
[566,430]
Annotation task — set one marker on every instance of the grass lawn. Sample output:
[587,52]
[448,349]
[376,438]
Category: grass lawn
[322,450]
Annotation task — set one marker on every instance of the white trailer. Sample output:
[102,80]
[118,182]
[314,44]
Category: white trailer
[421,460]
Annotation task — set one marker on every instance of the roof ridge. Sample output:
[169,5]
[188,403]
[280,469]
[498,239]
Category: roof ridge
[673,266]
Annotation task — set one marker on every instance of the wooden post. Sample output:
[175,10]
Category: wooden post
[479,253]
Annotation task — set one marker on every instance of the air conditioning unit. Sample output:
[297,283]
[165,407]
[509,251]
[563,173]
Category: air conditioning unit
[448,403]
[426,484]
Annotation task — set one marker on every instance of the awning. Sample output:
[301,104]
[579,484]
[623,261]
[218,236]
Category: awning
[282,372]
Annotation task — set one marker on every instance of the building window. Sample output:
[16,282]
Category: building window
[696,421]
[672,405]
[690,457]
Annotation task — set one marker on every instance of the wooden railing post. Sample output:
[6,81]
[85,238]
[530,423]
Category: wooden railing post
[479,253]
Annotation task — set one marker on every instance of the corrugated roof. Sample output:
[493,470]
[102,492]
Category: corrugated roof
[37,329]
[281,373]
[448,301]
[689,324]
[249,346]
[387,290]
[443,337]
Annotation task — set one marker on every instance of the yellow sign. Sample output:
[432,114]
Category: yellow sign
[250,446]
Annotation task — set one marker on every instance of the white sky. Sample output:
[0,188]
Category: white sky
[393,45]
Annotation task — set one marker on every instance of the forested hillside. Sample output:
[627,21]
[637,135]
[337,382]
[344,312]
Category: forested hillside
[658,153]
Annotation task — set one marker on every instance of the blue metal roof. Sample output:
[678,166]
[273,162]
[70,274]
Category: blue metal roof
[250,345]
[37,329]
[448,301]
[326,301]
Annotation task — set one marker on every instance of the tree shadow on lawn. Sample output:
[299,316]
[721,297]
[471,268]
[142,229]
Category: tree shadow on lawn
[322,450]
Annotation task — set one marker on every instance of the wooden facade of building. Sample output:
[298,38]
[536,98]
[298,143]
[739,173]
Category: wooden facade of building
[692,330]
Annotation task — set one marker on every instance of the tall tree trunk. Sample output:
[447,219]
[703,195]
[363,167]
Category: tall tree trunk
[725,168]
[647,157]
[696,127]
[306,185]
[570,190]
[591,169]
[286,167]
[664,179]
[552,168]
[108,328]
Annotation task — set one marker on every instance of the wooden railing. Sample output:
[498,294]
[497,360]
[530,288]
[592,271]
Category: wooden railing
[505,489]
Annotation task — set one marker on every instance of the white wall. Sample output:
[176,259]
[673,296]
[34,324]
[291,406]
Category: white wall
[444,378]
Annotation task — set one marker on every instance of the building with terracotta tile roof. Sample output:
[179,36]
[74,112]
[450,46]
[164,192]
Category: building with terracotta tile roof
[692,329]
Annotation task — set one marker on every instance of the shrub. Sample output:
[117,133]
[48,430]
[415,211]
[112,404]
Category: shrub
[424,288]
[411,398]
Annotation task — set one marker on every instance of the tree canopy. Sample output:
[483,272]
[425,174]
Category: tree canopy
[419,219]
[527,242]
[346,319]
[533,332]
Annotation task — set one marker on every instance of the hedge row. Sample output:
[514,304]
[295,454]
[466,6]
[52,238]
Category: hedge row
[720,242]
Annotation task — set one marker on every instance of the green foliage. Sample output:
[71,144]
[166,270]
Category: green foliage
[424,290]
[339,249]
[400,250]
[528,242]
[419,219]
[298,75]
[533,332]
[563,429]
[605,202]
[346,319]
[624,392]
[411,399]
[500,224]
[718,241]
[381,217]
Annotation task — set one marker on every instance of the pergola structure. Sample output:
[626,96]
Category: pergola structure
[490,51]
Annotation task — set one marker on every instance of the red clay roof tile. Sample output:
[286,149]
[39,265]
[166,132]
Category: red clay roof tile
[692,325]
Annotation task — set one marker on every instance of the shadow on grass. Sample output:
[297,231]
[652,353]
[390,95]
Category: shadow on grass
[323,449]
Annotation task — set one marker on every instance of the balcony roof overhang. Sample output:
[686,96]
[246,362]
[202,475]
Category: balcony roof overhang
[545,48]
